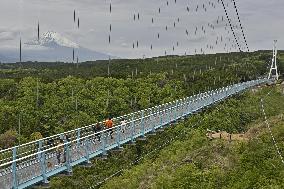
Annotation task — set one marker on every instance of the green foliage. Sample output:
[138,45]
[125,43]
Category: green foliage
[36,136]
[45,98]
[41,99]
[7,139]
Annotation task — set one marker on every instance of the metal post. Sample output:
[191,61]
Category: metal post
[188,106]
[67,157]
[104,135]
[161,117]
[184,107]
[118,129]
[42,162]
[132,128]
[169,114]
[78,137]
[170,118]
[142,124]
[176,109]
[212,96]
[87,148]
[14,168]
[152,122]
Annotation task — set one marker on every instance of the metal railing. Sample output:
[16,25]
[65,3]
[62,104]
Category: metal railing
[33,162]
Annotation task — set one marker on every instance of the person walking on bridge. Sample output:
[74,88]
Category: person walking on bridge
[123,125]
[98,127]
[109,125]
[59,152]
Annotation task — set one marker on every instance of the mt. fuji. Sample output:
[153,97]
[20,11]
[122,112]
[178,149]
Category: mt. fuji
[53,40]
[51,47]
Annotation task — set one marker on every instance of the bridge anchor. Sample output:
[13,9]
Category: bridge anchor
[143,138]
[87,164]
[66,174]
[118,149]
[152,134]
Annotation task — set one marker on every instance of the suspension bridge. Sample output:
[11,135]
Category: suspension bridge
[34,162]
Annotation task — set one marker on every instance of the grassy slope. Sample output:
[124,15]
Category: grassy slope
[217,164]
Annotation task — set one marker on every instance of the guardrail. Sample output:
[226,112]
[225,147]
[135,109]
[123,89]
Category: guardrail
[33,162]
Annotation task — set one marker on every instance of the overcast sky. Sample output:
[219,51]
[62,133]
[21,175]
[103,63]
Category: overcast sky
[263,21]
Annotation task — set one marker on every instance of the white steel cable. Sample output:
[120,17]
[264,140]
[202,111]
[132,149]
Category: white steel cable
[270,131]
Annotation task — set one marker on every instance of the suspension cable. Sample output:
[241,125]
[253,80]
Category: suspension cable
[237,12]
[269,128]
[231,25]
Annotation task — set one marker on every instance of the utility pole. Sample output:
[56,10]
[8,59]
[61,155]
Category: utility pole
[274,64]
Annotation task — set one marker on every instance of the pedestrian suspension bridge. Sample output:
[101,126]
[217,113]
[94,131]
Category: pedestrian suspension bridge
[34,162]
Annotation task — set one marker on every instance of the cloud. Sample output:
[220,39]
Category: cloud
[260,18]
[6,35]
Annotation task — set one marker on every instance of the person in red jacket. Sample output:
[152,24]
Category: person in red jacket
[109,125]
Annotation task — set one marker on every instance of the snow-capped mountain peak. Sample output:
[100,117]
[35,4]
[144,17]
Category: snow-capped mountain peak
[53,39]
[52,47]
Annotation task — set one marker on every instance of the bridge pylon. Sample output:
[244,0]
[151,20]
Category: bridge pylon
[273,73]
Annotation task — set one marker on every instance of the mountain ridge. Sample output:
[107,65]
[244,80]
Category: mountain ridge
[51,47]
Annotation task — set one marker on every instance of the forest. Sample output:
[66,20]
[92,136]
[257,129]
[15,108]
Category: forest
[42,99]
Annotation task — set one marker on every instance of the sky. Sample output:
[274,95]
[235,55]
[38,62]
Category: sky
[262,21]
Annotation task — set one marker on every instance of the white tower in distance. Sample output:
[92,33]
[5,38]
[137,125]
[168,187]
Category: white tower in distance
[273,67]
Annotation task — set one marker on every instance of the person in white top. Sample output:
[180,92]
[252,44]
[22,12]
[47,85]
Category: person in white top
[123,125]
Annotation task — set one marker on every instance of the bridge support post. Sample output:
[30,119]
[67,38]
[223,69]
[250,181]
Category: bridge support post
[176,110]
[161,118]
[78,137]
[142,123]
[118,136]
[153,123]
[104,135]
[87,149]
[14,169]
[226,92]
[213,99]
[168,114]
[188,107]
[160,113]
[142,126]
[184,107]
[68,158]
[132,128]
[42,163]
[184,113]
